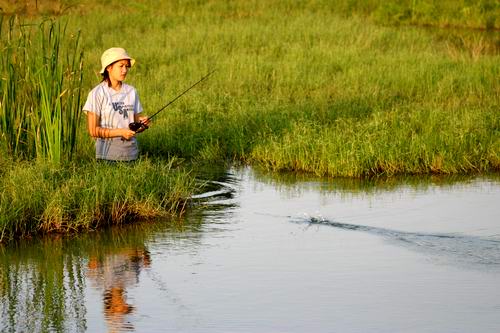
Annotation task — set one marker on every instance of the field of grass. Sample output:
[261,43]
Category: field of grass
[333,88]
[300,88]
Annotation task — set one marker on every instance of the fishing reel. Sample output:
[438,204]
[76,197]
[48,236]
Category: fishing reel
[137,126]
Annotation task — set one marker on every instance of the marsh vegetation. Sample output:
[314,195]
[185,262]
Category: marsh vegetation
[333,88]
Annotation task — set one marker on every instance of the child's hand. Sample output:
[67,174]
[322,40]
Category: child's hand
[127,134]
[145,124]
[145,121]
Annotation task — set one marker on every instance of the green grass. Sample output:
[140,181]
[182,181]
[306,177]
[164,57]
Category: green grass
[322,94]
[331,88]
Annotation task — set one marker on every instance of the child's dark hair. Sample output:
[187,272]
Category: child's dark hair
[105,75]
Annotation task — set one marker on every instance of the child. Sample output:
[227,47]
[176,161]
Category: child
[111,106]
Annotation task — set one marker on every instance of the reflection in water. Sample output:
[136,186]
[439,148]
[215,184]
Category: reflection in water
[221,276]
[217,201]
[42,288]
[43,281]
[114,272]
[294,184]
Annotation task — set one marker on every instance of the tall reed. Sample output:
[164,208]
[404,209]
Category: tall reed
[41,70]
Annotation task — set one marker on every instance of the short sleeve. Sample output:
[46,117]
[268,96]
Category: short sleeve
[137,103]
[94,101]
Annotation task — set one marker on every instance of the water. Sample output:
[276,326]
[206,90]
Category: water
[262,254]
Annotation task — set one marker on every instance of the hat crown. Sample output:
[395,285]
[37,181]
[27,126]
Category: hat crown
[112,55]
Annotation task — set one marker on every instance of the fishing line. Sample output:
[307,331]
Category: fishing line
[137,125]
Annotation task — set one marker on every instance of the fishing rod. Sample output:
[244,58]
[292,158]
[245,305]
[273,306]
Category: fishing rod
[137,125]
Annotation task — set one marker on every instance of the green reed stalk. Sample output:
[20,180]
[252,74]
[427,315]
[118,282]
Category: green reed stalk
[40,107]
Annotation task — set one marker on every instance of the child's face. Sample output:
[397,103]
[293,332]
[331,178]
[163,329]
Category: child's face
[118,70]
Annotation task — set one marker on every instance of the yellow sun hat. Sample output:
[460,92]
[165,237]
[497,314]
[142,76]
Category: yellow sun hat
[114,54]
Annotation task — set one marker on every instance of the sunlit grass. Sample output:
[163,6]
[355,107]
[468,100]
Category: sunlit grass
[329,96]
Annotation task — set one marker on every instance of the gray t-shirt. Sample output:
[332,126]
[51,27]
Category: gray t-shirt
[116,109]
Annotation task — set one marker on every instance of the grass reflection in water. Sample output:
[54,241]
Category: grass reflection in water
[43,281]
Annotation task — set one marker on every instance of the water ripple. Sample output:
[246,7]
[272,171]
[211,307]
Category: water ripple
[462,250]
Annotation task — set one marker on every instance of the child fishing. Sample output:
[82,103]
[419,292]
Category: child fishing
[112,106]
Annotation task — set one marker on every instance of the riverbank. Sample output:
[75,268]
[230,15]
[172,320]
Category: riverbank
[37,197]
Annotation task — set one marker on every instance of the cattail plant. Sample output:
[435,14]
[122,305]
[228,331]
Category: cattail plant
[41,77]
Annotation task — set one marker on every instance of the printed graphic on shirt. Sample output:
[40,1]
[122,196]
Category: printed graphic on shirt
[122,109]
[115,109]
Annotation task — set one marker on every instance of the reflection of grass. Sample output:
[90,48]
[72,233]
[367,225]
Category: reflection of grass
[42,288]
[290,182]
[44,280]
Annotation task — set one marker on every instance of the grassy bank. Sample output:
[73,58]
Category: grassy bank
[332,88]
[37,197]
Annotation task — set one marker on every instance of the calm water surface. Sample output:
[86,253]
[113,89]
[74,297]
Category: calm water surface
[264,254]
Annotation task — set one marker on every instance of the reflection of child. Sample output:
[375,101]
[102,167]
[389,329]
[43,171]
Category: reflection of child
[114,273]
[114,302]
[115,308]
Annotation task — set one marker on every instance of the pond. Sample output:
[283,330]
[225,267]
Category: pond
[275,253]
